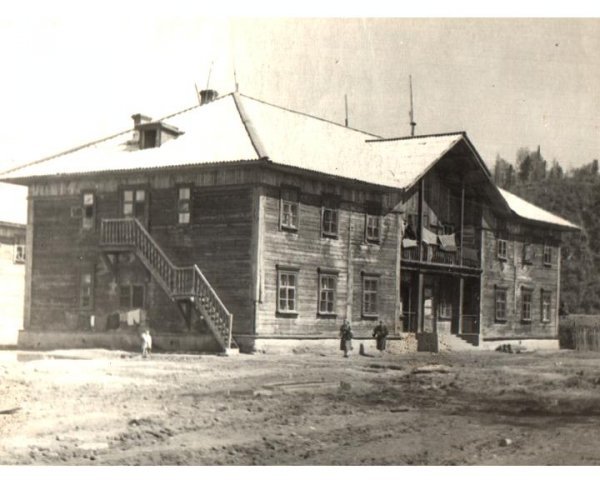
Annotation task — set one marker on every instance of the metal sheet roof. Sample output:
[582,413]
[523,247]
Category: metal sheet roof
[212,133]
[527,210]
[238,128]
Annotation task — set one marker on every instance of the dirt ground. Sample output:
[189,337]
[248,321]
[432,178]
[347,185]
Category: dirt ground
[98,407]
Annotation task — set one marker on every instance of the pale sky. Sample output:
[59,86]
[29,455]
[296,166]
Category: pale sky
[72,76]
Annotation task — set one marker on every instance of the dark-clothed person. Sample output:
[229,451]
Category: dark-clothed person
[346,338]
[380,333]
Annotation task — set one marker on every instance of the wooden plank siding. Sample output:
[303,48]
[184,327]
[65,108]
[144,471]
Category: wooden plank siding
[513,274]
[218,240]
[307,250]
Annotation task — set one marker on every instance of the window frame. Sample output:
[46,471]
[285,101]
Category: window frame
[146,134]
[327,274]
[528,253]
[291,272]
[546,306]
[135,189]
[88,222]
[373,294]
[373,213]
[89,286]
[502,256]
[131,295]
[294,203]
[500,291]
[526,305]
[547,257]
[19,245]
[184,201]
[330,203]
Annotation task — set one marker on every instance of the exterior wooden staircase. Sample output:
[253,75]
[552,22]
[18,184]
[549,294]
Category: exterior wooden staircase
[182,284]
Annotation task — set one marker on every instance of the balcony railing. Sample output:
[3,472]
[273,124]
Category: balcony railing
[433,254]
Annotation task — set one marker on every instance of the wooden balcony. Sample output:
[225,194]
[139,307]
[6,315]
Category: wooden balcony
[434,255]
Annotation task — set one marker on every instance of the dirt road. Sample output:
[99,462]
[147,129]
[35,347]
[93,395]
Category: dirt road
[97,407]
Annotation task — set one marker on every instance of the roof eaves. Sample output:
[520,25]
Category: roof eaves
[22,180]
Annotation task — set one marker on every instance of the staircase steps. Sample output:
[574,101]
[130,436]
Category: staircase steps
[180,283]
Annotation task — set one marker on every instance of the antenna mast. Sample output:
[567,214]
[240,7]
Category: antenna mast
[346,106]
[411,113]
[209,72]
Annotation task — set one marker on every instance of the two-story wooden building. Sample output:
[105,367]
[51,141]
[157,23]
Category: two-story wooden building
[238,222]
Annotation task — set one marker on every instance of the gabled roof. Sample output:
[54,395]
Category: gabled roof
[529,211]
[238,128]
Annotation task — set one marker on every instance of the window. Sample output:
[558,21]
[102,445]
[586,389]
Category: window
[547,255]
[184,204]
[329,217]
[502,249]
[88,211]
[445,308]
[372,222]
[546,306]
[149,138]
[500,314]
[19,252]
[528,254]
[369,303]
[289,209]
[447,229]
[86,290]
[287,282]
[526,296]
[134,203]
[131,297]
[327,293]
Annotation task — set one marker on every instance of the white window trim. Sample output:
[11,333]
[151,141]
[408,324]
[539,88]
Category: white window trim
[295,273]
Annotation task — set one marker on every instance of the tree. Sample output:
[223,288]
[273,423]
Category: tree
[504,173]
[556,171]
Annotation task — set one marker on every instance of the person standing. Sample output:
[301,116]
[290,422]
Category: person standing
[146,343]
[346,338]
[380,333]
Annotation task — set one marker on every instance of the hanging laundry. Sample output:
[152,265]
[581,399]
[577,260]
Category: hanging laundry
[447,242]
[429,237]
[409,243]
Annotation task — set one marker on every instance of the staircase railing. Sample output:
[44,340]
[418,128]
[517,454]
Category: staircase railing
[176,281]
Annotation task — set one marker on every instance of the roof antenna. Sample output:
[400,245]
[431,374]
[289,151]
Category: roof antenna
[411,113]
[237,87]
[209,72]
[346,106]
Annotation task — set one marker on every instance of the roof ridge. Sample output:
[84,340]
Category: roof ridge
[100,140]
[249,126]
[443,134]
[310,116]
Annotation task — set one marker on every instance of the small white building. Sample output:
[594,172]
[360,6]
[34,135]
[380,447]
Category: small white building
[13,219]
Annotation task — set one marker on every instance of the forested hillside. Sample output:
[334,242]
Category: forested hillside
[575,196]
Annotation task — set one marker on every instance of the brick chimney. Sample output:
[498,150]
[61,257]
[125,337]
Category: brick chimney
[207,96]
